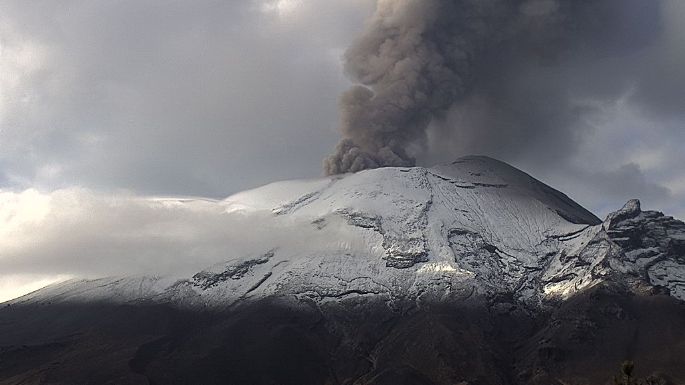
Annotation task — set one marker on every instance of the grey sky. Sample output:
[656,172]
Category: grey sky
[170,97]
[209,98]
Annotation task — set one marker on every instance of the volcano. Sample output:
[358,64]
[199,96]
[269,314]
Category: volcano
[471,272]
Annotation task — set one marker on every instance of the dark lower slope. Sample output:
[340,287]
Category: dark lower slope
[585,338]
[580,341]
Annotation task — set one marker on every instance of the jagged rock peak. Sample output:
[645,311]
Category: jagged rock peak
[630,210]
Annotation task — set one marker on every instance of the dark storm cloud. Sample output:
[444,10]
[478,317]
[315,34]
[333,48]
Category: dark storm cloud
[622,183]
[546,111]
[514,79]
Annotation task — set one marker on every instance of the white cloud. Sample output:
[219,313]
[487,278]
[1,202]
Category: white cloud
[13,286]
[77,232]
[281,7]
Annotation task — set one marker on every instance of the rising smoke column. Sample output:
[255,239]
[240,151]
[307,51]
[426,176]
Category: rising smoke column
[418,58]
[406,75]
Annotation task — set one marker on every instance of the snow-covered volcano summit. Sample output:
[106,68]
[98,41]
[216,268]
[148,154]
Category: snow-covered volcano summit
[413,211]
[475,226]
[465,273]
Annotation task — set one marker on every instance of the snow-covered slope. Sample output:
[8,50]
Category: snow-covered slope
[474,227]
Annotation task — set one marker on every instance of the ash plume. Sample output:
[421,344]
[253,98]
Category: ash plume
[418,59]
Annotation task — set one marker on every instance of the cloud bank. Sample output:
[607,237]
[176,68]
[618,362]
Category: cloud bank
[77,232]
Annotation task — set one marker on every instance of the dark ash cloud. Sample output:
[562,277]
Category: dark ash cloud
[502,77]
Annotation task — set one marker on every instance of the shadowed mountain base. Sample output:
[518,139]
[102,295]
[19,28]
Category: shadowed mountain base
[358,341]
